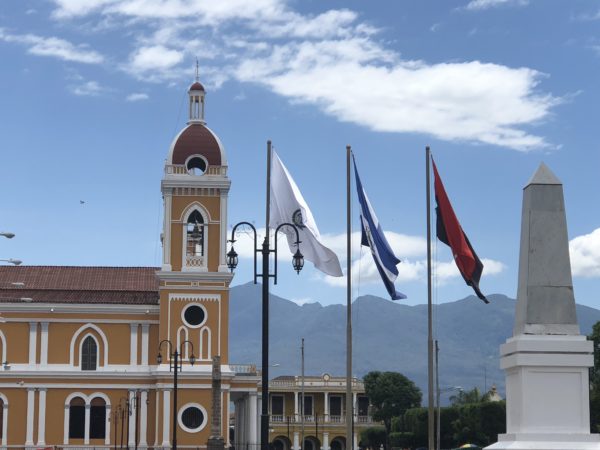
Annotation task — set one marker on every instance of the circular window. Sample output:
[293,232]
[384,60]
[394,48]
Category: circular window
[194,315]
[192,417]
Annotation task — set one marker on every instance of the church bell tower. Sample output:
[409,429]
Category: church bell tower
[194,280]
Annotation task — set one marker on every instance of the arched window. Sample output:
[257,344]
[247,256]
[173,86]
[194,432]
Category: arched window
[195,235]
[98,418]
[89,354]
[1,418]
[77,418]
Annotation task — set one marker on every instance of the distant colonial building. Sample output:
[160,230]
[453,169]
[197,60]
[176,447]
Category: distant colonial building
[80,345]
[323,414]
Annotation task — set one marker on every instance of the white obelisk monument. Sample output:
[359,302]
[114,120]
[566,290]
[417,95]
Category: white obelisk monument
[546,360]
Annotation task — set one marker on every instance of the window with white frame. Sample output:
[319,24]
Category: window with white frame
[277,405]
[89,354]
[192,417]
[98,418]
[195,235]
[308,405]
[77,418]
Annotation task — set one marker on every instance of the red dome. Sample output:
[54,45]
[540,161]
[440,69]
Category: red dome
[197,86]
[197,139]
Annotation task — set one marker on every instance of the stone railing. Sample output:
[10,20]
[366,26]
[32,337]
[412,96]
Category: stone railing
[320,419]
[180,169]
[243,369]
[194,261]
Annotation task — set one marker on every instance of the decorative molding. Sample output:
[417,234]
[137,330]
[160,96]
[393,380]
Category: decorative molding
[202,184]
[81,320]
[69,308]
[205,331]
[195,297]
[216,277]
[81,330]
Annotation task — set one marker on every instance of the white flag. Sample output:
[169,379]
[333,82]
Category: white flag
[288,205]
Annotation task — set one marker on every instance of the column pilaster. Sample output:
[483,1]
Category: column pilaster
[143,418]
[30,415]
[86,436]
[166,416]
[41,439]
[44,344]
[253,418]
[132,418]
[32,343]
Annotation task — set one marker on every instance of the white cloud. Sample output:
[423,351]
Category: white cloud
[136,97]
[356,80]
[149,60]
[209,12]
[303,301]
[88,88]
[410,249]
[333,61]
[486,4]
[585,255]
[54,47]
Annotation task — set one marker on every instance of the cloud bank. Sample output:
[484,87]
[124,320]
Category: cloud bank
[333,60]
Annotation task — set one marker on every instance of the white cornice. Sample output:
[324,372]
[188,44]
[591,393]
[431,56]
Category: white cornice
[218,277]
[78,308]
[206,182]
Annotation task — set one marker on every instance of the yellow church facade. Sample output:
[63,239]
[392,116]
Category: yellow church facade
[88,352]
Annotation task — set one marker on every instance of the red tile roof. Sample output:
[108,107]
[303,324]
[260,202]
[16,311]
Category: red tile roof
[197,139]
[67,284]
[197,86]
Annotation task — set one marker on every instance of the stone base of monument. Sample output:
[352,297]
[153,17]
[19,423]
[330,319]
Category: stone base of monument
[215,443]
[547,393]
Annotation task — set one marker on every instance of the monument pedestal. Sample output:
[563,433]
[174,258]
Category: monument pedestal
[547,393]
[215,443]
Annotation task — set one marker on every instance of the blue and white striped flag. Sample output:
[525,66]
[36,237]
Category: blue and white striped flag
[373,237]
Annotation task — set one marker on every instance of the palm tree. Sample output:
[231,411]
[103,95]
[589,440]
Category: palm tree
[465,397]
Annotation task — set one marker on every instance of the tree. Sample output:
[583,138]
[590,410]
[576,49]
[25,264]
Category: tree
[372,437]
[468,397]
[595,380]
[390,394]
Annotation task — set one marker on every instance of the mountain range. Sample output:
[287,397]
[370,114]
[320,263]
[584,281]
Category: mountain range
[386,336]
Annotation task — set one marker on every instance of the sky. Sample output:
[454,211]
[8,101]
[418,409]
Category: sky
[94,92]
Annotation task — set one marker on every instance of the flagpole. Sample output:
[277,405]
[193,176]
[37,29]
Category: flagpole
[431,416]
[349,409]
[264,419]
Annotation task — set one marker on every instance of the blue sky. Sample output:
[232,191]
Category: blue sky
[93,93]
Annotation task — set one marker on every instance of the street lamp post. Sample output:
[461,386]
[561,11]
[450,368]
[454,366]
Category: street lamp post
[297,263]
[16,262]
[115,424]
[440,391]
[124,410]
[175,364]
[136,404]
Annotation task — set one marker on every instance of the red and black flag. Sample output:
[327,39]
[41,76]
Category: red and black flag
[450,232]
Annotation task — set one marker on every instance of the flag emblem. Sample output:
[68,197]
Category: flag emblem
[297,218]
